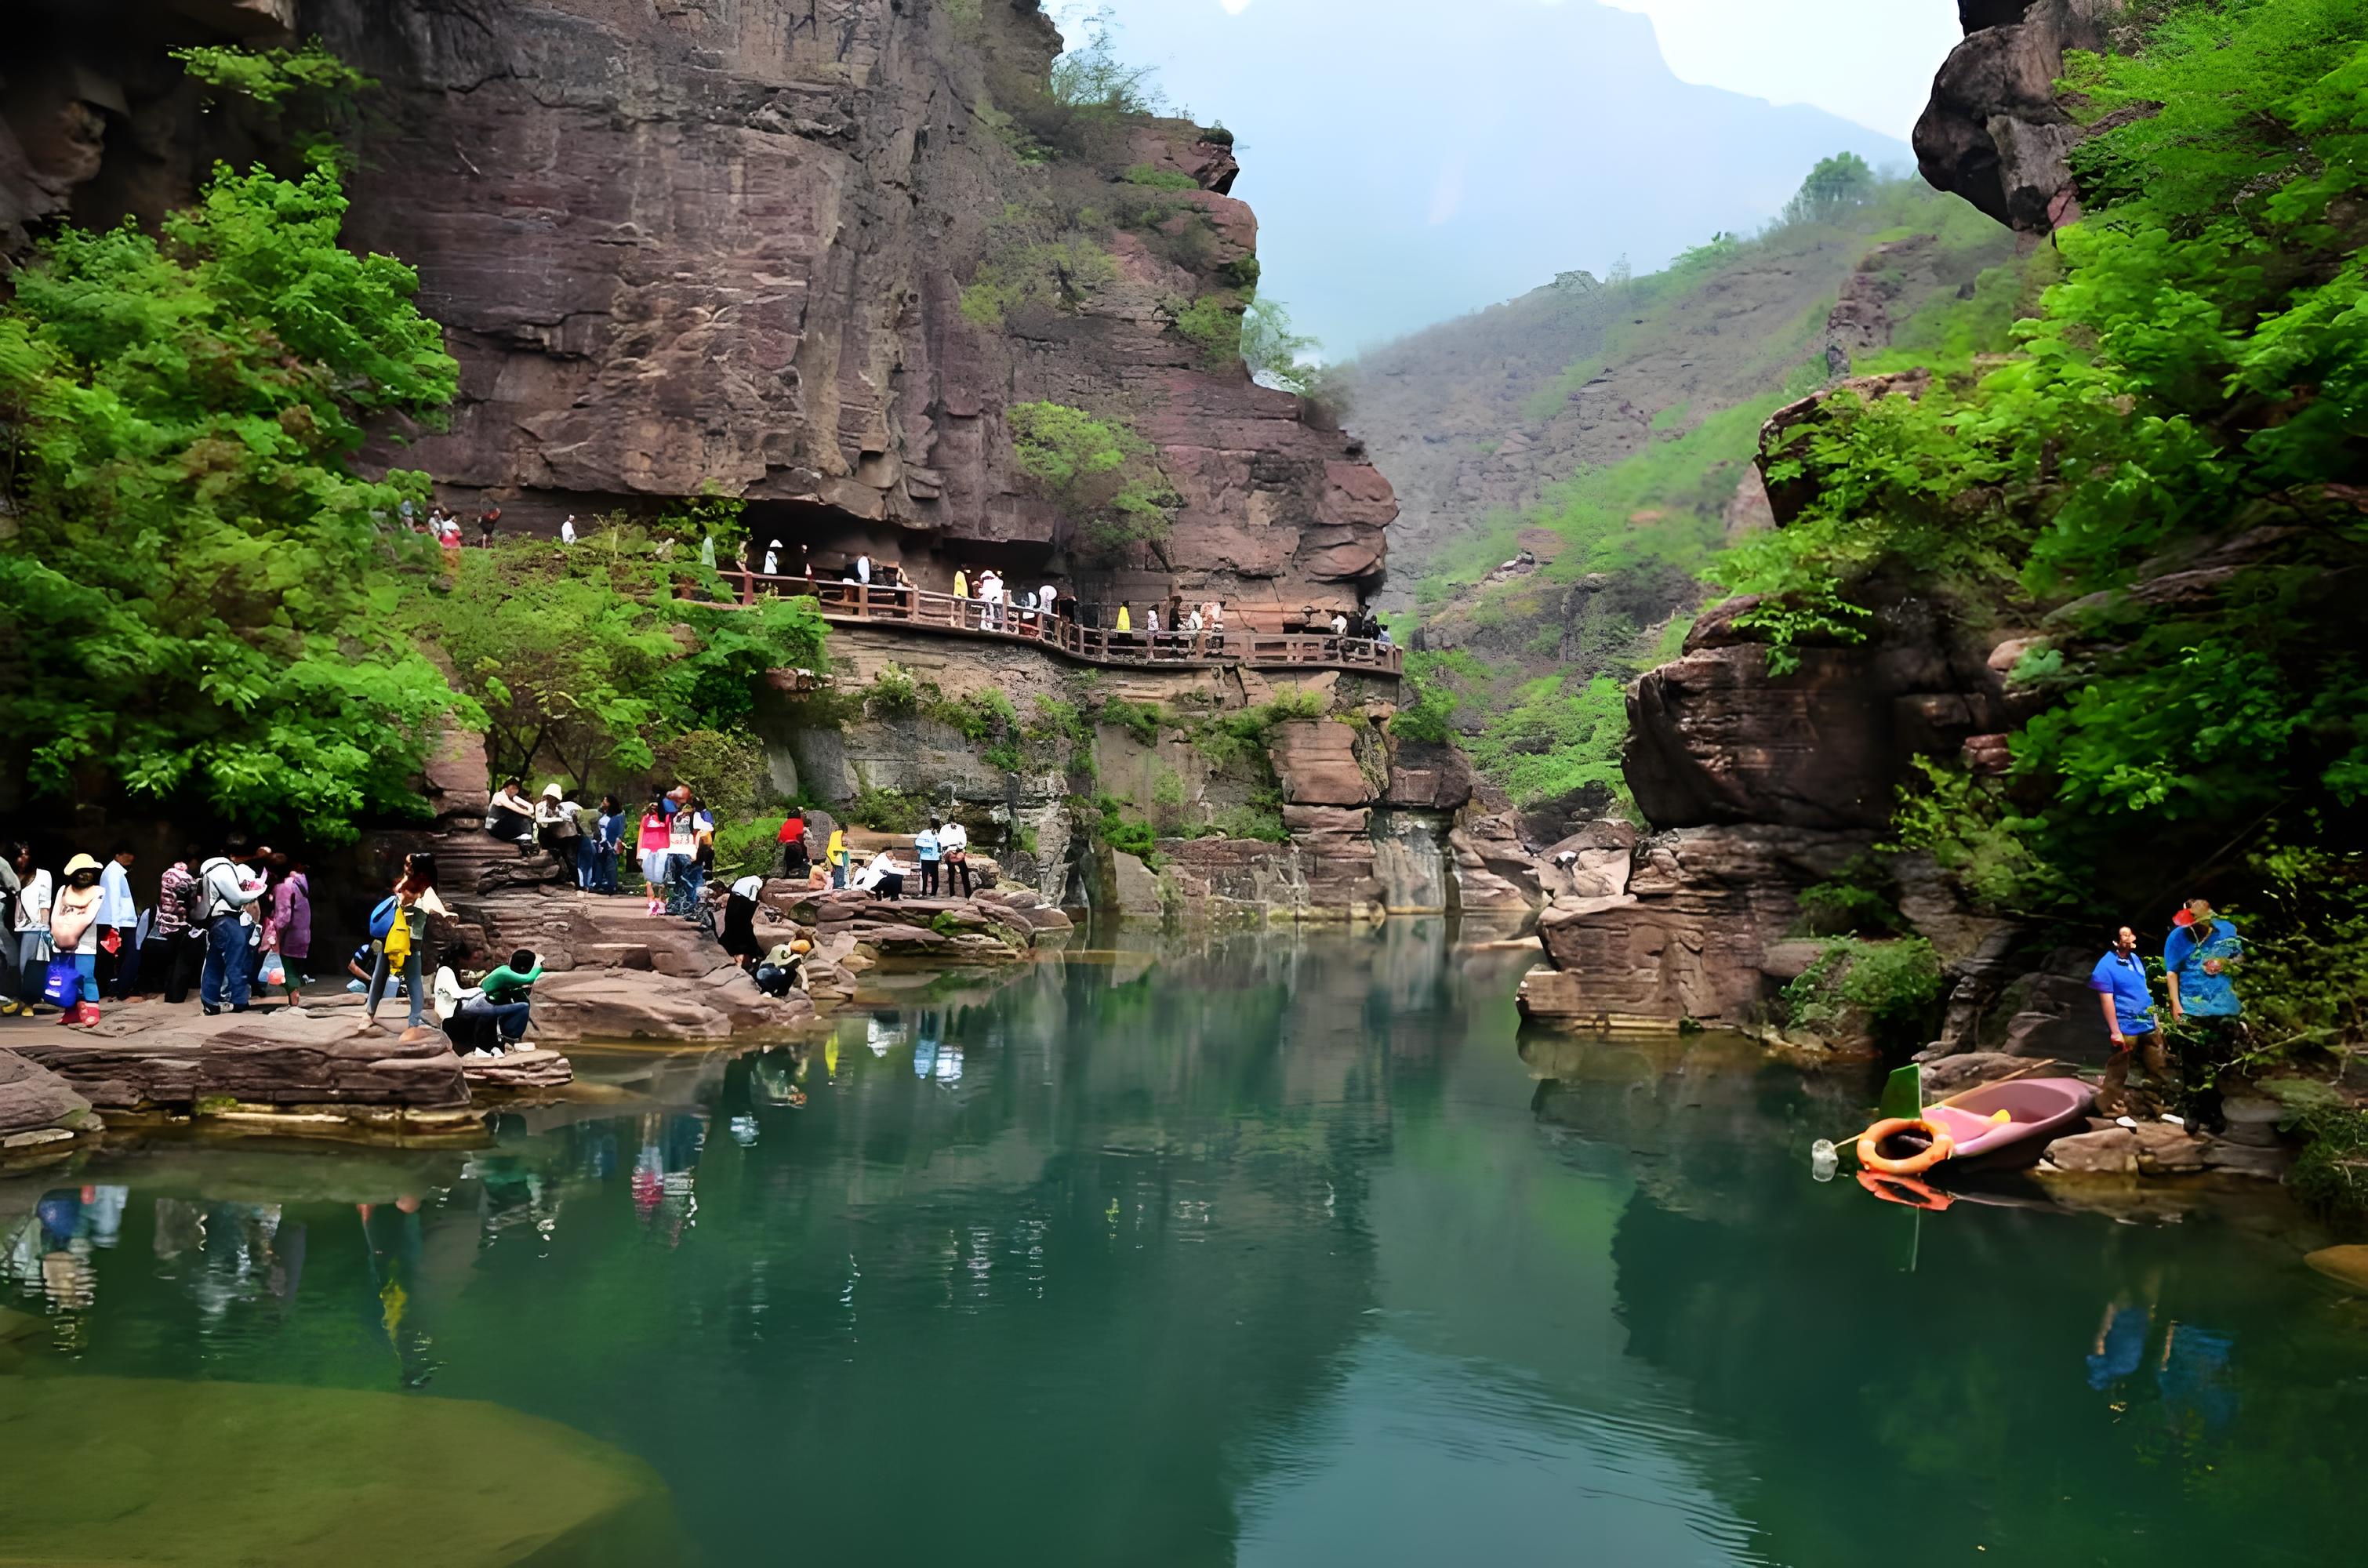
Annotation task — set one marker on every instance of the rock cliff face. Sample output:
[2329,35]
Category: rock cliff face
[1758,783]
[1994,132]
[691,247]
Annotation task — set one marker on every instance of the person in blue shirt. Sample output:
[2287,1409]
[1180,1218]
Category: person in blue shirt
[926,847]
[2120,981]
[2197,959]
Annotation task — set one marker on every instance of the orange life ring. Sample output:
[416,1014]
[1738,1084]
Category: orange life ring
[1905,1189]
[1869,1146]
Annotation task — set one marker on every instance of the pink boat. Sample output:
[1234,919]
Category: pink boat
[2038,1110]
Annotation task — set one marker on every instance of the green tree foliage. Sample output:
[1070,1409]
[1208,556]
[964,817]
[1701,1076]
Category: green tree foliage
[585,658]
[197,595]
[307,98]
[1288,360]
[1835,186]
[1893,984]
[1091,77]
[1559,737]
[2198,373]
[1104,476]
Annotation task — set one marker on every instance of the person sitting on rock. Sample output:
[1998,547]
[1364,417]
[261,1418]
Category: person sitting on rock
[510,817]
[784,970]
[359,966]
[883,878]
[503,1008]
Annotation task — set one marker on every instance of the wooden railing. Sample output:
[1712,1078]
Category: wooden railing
[919,610]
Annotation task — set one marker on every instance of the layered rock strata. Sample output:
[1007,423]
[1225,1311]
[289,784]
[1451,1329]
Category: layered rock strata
[152,1057]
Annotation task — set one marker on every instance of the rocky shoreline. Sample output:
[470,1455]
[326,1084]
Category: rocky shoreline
[616,974]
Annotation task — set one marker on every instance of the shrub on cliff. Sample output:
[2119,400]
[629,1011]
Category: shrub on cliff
[1102,475]
[2193,396]
[195,589]
[1036,277]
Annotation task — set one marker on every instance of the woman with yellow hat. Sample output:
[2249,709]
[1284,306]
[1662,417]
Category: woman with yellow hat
[73,933]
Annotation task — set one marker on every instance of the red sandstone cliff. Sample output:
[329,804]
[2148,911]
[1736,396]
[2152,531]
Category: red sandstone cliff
[681,247]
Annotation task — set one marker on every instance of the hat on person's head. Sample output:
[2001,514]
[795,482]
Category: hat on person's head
[554,792]
[81,863]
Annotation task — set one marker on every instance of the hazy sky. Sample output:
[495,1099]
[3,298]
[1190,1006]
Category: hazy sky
[1871,61]
[1412,160]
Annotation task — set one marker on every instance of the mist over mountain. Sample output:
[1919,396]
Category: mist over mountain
[1440,159]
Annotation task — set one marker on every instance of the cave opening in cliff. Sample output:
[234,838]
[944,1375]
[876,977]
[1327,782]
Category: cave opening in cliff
[825,539]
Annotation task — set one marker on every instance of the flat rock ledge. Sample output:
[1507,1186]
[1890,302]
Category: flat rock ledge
[41,1117]
[149,1056]
[998,925]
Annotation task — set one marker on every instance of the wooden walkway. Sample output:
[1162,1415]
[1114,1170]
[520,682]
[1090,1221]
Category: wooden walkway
[918,609]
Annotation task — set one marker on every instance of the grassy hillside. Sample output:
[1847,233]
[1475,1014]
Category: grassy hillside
[1570,462]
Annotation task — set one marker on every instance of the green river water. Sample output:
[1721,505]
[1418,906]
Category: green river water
[1285,1250]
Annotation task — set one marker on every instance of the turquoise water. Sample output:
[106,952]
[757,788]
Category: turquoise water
[1275,1252]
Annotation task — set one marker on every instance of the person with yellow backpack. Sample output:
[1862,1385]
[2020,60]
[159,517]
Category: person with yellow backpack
[399,931]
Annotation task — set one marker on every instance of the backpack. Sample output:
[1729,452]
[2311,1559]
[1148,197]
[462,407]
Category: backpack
[193,903]
[382,919]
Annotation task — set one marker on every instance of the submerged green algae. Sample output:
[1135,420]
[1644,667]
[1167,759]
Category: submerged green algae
[153,1470]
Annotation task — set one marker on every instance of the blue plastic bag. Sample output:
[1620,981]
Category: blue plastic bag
[63,988]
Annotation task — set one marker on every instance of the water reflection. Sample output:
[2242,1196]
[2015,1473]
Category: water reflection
[1268,1251]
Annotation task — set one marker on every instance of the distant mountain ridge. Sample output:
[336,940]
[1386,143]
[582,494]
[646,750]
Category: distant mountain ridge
[1440,185]
[1568,461]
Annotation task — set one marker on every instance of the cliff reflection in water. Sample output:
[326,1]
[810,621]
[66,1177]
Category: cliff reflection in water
[1265,1250]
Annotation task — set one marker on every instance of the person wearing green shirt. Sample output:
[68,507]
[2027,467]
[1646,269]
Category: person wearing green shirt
[507,1003]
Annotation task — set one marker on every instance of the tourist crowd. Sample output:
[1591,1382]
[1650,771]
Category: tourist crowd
[235,923]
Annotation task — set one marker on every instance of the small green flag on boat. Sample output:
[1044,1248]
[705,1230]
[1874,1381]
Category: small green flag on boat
[1903,1094]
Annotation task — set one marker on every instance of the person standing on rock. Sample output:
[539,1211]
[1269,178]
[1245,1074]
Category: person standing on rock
[836,853]
[953,843]
[926,849]
[404,949]
[567,529]
[652,845]
[291,927]
[11,883]
[30,955]
[176,937]
[73,930]
[2120,981]
[691,844]
[224,893]
[118,925]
